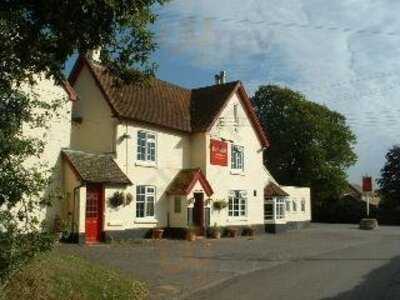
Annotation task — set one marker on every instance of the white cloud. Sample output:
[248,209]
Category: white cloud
[341,53]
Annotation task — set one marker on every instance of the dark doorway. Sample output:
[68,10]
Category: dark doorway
[198,213]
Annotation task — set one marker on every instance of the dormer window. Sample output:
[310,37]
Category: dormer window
[146,146]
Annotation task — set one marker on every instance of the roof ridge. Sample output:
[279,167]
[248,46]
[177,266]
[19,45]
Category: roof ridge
[216,85]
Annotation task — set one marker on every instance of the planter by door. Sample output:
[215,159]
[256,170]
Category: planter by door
[198,213]
[94,213]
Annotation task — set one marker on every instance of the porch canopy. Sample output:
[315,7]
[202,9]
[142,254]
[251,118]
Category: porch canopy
[273,190]
[185,181]
[95,168]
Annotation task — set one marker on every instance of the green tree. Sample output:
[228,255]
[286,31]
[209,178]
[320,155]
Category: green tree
[37,37]
[389,182]
[311,145]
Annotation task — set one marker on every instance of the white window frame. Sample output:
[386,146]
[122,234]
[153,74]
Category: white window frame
[237,163]
[146,154]
[146,195]
[280,207]
[294,204]
[288,203]
[303,205]
[237,204]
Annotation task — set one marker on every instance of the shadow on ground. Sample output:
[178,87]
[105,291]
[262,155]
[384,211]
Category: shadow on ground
[381,283]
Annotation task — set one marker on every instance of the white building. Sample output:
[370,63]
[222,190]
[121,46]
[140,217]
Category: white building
[172,152]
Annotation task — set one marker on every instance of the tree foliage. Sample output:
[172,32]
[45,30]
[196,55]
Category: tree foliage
[311,145]
[37,37]
[389,182]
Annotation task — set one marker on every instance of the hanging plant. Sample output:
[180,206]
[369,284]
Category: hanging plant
[117,199]
[220,204]
[128,199]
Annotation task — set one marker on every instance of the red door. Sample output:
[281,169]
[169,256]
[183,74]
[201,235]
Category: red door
[94,213]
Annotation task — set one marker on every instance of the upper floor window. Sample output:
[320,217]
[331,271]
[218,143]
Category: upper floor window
[146,146]
[303,205]
[237,203]
[145,198]
[237,157]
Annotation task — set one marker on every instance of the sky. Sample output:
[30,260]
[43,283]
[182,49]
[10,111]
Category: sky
[343,53]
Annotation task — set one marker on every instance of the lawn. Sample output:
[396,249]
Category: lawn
[58,276]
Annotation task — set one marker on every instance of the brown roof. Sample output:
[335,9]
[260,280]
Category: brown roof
[185,180]
[168,105]
[95,168]
[274,190]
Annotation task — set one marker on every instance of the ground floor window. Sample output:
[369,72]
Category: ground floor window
[280,208]
[303,205]
[145,198]
[237,205]
[268,210]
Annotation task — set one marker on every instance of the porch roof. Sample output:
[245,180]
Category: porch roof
[185,180]
[95,168]
[273,190]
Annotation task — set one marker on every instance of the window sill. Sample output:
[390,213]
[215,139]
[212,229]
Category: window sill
[236,172]
[146,164]
[237,219]
[146,221]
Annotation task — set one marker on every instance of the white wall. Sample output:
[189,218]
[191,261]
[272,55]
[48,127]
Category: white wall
[56,137]
[298,194]
[254,176]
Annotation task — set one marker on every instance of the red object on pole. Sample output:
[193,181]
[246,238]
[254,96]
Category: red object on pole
[367,184]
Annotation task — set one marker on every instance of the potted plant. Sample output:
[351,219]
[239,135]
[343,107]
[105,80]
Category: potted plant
[190,234]
[219,204]
[117,199]
[249,231]
[158,233]
[215,232]
[232,232]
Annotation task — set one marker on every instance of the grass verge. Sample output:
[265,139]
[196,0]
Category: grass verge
[57,276]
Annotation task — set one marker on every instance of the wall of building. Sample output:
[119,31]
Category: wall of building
[173,154]
[56,136]
[253,178]
[96,132]
[298,194]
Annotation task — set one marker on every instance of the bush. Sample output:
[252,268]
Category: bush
[18,249]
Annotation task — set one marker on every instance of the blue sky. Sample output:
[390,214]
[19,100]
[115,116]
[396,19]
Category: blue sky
[344,54]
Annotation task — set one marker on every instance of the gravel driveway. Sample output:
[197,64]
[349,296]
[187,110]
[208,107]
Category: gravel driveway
[179,269]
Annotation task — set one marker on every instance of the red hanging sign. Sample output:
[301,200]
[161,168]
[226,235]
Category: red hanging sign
[367,184]
[219,153]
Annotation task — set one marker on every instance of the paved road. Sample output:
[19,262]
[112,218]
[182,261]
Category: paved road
[367,271]
[322,262]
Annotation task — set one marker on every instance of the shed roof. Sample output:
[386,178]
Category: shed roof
[274,190]
[95,168]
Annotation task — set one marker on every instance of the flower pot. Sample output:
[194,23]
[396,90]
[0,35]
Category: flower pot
[190,236]
[216,234]
[158,233]
[233,232]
